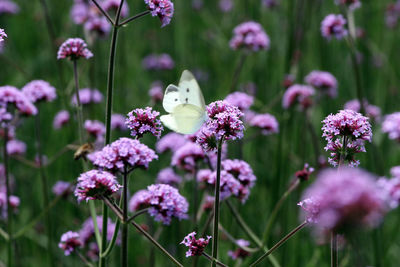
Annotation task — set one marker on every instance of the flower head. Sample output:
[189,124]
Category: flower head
[94,184]
[373,112]
[240,252]
[141,121]
[74,48]
[123,152]
[170,142]
[62,188]
[351,4]
[228,184]
[324,81]
[196,246]
[250,36]
[39,90]
[96,129]
[241,100]
[156,92]
[69,242]
[168,176]
[13,202]
[118,122]
[164,202]
[61,118]
[88,231]
[297,93]
[266,122]
[163,9]
[225,5]
[8,7]
[186,156]
[333,26]
[158,62]
[242,172]
[87,96]
[305,173]
[16,147]
[391,126]
[9,95]
[2,35]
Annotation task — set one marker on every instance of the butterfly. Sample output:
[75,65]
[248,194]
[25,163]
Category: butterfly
[185,105]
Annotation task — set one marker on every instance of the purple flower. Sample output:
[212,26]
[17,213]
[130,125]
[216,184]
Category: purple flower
[168,176]
[196,246]
[228,184]
[171,141]
[123,152]
[391,191]
[11,95]
[74,48]
[239,252]
[8,7]
[341,200]
[62,188]
[87,96]
[2,35]
[61,118]
[141,121]
[13,202]
[94,184]
[350,126]
[158,62]
[96,129]
[266,122]
[373,112]
[269,3]
[242,172]
[156,92]
[241,100]
[39,90]
[225,120]
[333,25]
[391,126]
[69,242]
[163,9]
[164,202]
[112,5]
[225,5]
[206,138]
[297,93]
[392,14]
[305,173]
[118,122]
[250,36]
[324,81]
[16,147]
[99,25]
[351,4]
[187,156]
[87,230]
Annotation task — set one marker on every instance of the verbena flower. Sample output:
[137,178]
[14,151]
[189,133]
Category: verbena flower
[87,231]
[2,35]
[74,48]
[249,36]
[168,176]
[351,4]
[39,90]
[11,97]
[8,7]
[305,173]
[62,188]
[350,126]
[156,92]
[187,156]
[239,253]
[87,96]
[98,25]
[206,138]
[164,203]
[196,246]
[343,200]
[373,112]
[333,26]
[170,142]
[94,184]
[118,122]
[13,202]
[324,81]
[123,152]
[391,126]
[163,9]
[392,14]
[158,62]
[225,5]
[266,122]
[298,94]
[16,147]
[61,119]
[241,100]
[69,242]
[141,121]
[228,184]
[96,129]
[113,5]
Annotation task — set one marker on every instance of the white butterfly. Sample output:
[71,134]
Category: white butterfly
[185,105]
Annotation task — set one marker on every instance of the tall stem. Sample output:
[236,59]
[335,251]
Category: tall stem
[9,213]
[334,249]
[216,203]
[79,104]
[195,199]
[45,186]
[238,69]
[124,241]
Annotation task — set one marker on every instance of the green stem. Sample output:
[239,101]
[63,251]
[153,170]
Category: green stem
[103,12]
[140,212]
[210,258]
[281,242]
[9,213]
[134,17]
[334,249]
[113,239]
[103,244]
[79,104]
[216,203]
[195,199]
[237,71]
[124,241]
[92,209]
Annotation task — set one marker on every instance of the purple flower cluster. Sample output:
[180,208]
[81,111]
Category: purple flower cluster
[168,176]
[351,4]
[141,121]
[87,231]
[164,202]
[297,93]
[96,129]
[39,90]
[8,7]
[95,183]
[124,152]
[158,62]
[392,14]
[74,48]
[349,128]
[373,112]
[241,100]
[62,188]
[163,9]
[228,184]
[343,200]
[61,118]
[170,142]
[225,5]
[239,253]
[16,147]
[13,202]
[118,122]
[324,81]
[391,126]
[2,35]
[156,92]
[266,122]
[87,96]
[391,188]
[11,95]
[333,26]
[250,36]
[305,173]
[187,156]
[69,242]
[196,246]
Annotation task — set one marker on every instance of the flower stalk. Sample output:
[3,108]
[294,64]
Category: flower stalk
[9,213]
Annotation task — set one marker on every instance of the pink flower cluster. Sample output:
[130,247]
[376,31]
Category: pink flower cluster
[170,142]
[163,201]
[69,242]
[61,119]
[156,92]
[62,188]
[186,157]
[39,90]
[196,246]
[74,48]
[141,121]
[2,35]
[350,126]
[373,112]
[391,126]
[241,100]
[239,253]
[228,184]
[351,4]
[118,122]
[163,9]
[324,81]
[158,62]
[266,122]
[168,176]
[9,95]
[392,14]
[95,129]
[87,96]
[13,202]
[333,26]
[250,36]
[297,93]
[8,7]
[391,188]
[16,147]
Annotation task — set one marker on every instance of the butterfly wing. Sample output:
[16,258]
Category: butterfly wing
[189,90]
[185,119]
[172,98]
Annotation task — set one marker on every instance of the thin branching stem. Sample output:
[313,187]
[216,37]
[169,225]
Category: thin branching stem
[134,17]
[103,12]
